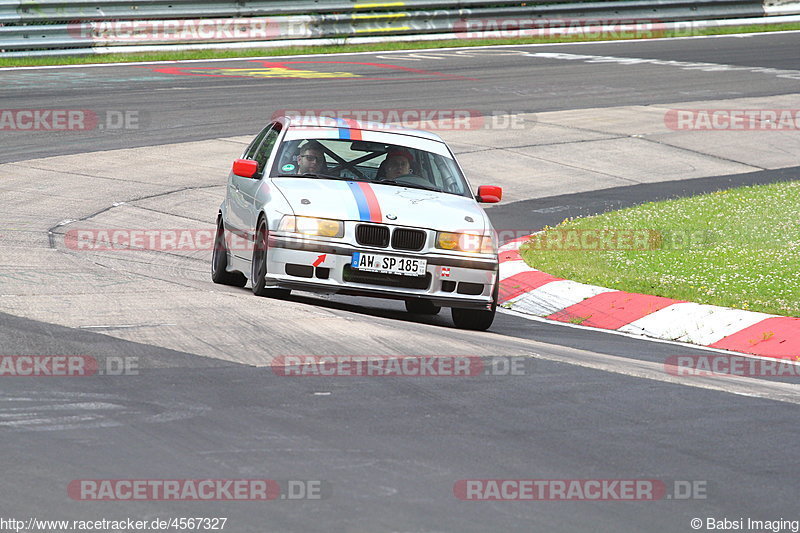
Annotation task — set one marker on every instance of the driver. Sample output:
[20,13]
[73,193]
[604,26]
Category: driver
[397,163]
[311,158]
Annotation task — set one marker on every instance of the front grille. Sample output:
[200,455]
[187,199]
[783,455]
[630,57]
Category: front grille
[371,235]
[386,280]
[408,239]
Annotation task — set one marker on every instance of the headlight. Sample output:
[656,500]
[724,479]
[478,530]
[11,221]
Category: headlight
[488,245]
[447,241]
[324,227]
[465,242]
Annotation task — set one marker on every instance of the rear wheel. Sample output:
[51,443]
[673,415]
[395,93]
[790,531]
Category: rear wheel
[421,306]
[477,319]
[219,261]
[258,268]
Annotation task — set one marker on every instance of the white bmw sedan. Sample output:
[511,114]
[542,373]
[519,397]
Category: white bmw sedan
[335,206]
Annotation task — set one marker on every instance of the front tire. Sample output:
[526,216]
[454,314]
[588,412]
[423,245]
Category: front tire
[421,306]
[477,319]
[258,268]
[219,261]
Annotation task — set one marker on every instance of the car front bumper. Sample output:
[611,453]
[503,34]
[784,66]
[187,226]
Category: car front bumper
[321,266]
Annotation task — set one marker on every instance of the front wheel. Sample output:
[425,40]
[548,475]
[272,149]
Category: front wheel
[258,268]
[421,306]
[477,319]
[219,261]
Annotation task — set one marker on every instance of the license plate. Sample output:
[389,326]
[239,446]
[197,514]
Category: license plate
[387,264]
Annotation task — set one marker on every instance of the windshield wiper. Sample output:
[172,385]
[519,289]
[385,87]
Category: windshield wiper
[306,175]
[411,186]
[314,175]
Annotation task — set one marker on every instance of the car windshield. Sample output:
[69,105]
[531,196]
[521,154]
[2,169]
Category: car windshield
[389,164]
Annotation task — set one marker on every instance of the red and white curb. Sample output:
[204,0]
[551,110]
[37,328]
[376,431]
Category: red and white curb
[529,291]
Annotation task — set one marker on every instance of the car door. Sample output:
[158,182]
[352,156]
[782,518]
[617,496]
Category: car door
[245,189]
[235,205]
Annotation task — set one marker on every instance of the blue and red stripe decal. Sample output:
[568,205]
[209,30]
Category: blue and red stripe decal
[369,210]
[349,130]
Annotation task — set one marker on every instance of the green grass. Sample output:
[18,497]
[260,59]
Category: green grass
[330,49]
[736,248]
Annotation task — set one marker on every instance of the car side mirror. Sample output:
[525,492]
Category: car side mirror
[490,194]
[245,168]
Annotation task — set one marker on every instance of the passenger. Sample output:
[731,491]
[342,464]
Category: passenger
[397,163]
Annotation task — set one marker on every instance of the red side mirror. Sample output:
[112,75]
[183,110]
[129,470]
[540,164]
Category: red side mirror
[245,168]
[490,194]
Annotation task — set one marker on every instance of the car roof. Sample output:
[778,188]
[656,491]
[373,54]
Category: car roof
[348,124]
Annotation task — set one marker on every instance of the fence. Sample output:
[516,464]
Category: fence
[60,27]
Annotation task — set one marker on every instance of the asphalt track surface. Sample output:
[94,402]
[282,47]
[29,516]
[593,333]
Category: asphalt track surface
[175,108]
[391,449]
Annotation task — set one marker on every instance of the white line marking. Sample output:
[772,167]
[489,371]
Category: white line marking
[739,385]
[683,65]
[121,326]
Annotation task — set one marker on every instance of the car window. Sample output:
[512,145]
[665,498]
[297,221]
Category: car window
[369,161]
[251,150]
[265,149]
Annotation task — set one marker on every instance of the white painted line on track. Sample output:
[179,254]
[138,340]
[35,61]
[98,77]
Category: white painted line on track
[124,326]
[739,385]
[683,65]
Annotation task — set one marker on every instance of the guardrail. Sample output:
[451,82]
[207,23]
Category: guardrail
[71,27]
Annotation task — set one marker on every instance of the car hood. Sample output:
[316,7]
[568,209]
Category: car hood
[350,200]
